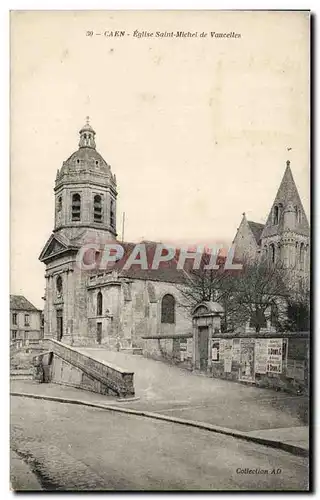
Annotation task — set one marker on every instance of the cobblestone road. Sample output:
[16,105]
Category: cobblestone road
[79,448]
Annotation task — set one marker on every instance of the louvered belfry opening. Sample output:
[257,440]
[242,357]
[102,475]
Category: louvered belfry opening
[76,207]
[97,209]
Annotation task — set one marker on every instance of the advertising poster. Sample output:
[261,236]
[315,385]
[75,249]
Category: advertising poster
[261,355]
[274,361]
[183,349]
[228,355]
[214,354]
[236,350]
[247,360]
[222,349]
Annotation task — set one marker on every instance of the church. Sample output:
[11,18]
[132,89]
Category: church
[117,307]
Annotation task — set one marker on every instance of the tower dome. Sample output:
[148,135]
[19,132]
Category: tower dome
[85,190]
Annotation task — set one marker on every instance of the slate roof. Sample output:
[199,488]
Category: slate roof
[256,229]
[166,272]
[287,194]
[20,303]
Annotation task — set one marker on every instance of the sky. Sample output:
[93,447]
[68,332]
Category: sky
[196,129]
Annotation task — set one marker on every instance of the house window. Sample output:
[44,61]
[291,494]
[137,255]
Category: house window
[167,309]
[13,334]
[215,351]
[97,208]
[14,318]
[99,304]
[76,207]
[26,320]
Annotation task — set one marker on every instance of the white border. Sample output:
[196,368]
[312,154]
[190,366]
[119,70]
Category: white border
[313,5]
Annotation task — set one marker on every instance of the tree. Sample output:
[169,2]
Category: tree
[298,310]
[258,291]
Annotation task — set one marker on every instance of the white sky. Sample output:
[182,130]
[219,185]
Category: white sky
[195,130]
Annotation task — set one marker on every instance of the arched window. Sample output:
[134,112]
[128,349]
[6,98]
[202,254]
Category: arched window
[272,253]
[76,207]
[112,214]
[168,309]
[99,304]
[97,208]
[59,204]
[301,256]
[59,284]
[276,215]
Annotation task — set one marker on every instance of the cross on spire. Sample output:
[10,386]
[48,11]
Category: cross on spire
[87,120]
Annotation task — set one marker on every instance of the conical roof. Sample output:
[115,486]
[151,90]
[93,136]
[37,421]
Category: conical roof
[286,198]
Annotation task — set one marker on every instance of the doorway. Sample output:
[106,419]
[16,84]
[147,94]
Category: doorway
[99,332]
[203,347]
[59,324]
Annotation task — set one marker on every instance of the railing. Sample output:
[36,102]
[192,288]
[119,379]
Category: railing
[118,380]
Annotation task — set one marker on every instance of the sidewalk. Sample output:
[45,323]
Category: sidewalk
[273,418]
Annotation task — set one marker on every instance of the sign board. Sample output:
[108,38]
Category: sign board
[246,373]
[261,355]
[274,361]
[228,344]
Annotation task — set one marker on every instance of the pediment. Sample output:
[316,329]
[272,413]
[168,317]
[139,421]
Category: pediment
[52,248]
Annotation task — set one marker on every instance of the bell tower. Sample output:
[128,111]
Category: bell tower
[85,191]
[85,195]
[286,235]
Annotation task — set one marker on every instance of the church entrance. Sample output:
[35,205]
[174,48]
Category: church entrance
[203,347]
[99,332]
[59,324]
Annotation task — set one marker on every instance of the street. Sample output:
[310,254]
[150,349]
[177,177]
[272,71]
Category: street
[75,447]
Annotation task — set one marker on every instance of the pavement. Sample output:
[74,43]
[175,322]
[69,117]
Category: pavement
[178,395]
[72,447]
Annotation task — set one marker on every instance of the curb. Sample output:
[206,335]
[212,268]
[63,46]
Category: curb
[290,448]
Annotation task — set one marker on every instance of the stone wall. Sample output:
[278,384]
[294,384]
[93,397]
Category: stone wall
[131,310]
[292,371]
[176,350]
[64,365]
